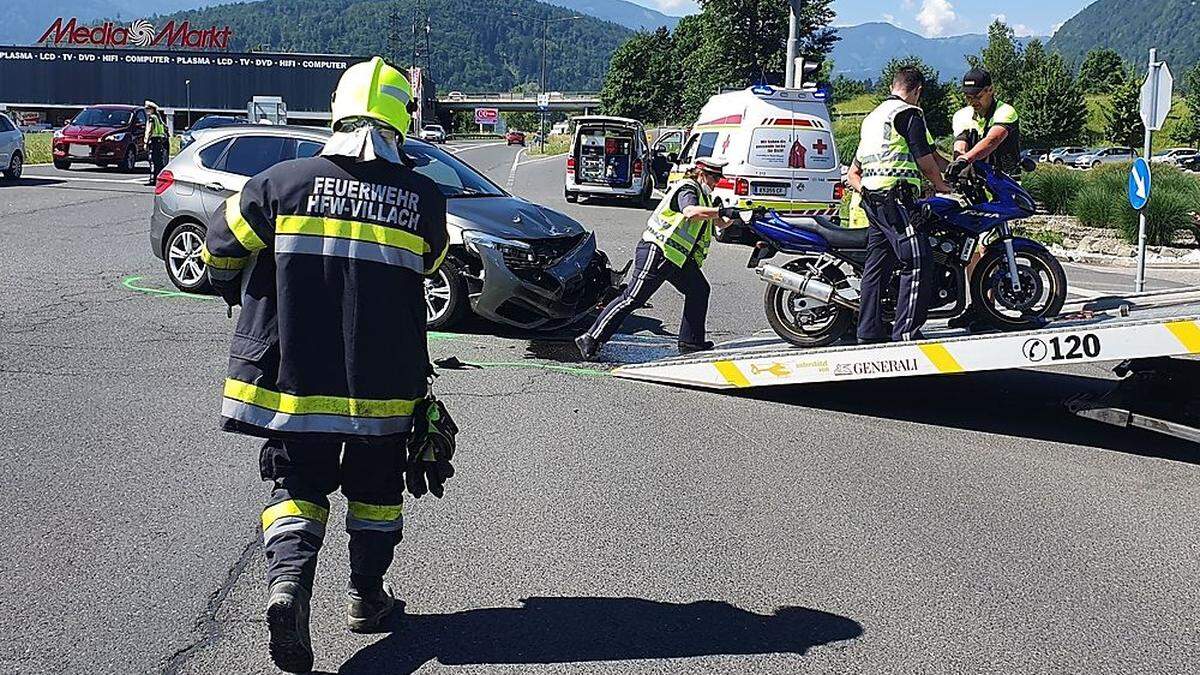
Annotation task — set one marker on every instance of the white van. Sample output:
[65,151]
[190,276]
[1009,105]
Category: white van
[780,149]
[609,157]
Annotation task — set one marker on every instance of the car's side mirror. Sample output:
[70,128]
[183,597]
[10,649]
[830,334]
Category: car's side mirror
[1028,164]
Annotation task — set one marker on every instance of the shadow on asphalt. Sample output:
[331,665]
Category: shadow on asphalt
[1017,403]
[28,181]
[573,630]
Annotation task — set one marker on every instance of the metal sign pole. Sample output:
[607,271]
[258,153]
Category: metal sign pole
[1140,284]
[789,78]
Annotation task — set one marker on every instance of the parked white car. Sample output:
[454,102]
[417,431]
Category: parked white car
[1114,155]
[433,133]
[1173,155]
[12,149]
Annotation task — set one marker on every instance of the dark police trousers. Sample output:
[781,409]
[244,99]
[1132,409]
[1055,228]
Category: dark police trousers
[894,240]
[304,473]
[650,270]
[159,147]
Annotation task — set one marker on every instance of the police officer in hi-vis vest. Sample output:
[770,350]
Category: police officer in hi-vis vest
[896,151]
[672,250]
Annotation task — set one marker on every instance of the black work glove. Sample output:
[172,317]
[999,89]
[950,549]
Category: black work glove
[230,291]
[430,449]
[957,168]
[730,213]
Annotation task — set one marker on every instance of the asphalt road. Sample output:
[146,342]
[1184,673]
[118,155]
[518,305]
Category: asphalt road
[961,524]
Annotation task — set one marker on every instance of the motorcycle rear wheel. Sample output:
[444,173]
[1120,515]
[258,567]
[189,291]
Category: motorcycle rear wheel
[802,321]
[1044,289]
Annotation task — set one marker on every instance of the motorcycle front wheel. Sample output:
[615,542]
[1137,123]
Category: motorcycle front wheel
[802,321]
[1041,297]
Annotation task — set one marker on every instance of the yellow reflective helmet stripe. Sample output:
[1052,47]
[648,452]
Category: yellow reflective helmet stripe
[222,262]
[351,229]
[317,405]
[294,508]
[374,512]
[240,227]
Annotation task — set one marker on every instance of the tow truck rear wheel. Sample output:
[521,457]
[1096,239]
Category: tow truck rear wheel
[802,321]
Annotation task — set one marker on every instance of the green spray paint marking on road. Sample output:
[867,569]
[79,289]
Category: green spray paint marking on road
[130,282]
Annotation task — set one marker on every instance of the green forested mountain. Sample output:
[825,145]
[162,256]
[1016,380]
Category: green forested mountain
[476,46]
[1132,28]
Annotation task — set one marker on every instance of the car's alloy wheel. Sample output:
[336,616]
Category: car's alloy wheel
[184,264]
[445,297]
[438,295]
[16,167]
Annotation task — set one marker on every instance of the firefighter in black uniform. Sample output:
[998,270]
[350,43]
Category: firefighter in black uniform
[327,256]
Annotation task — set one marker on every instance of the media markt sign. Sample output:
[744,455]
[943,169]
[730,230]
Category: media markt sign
[140,33]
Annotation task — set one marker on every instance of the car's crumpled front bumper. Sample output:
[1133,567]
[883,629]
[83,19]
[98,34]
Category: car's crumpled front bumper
[544,298]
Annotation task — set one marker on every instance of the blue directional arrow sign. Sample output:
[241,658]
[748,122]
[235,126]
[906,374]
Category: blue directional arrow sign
[1139,184]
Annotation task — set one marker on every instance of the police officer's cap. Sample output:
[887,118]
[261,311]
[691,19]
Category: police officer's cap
[975,81]
[711,165]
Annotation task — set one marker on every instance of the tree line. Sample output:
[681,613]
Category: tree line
[666,77]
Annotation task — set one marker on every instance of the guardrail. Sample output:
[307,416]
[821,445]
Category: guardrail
[510,96]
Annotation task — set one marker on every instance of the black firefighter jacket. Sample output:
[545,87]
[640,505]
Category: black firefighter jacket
[330,255]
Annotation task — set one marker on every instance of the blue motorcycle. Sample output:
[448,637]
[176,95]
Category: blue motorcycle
[812,300]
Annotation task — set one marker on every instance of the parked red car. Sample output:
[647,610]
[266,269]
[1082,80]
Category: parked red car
[515,137]
[103,135]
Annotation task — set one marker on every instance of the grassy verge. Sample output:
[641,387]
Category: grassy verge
[555,145]
[37,147]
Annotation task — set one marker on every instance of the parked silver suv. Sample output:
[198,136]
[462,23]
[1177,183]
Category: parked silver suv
[1105,156]
[12,149]
[206,173]
[510,261]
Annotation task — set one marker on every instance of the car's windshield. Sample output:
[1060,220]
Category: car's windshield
[102,117]
[456,179]
[432,127]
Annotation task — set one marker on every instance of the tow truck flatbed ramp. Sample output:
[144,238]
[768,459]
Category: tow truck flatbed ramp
[1119,328]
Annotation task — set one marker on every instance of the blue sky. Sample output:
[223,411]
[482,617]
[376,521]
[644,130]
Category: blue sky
[935,17]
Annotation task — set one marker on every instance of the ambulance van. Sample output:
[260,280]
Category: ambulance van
[780,149]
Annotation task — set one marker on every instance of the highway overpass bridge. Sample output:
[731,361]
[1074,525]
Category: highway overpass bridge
[559,101]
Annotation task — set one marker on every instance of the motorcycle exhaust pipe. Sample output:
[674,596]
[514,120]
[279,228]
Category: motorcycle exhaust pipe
[808,286]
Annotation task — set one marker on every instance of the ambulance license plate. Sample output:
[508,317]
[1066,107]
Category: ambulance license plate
[771,190]
[80,150]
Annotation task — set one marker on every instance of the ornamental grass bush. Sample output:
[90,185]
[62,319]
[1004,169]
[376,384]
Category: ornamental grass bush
[1099,198]
[1167,213]
[1053,187]
[1095,205]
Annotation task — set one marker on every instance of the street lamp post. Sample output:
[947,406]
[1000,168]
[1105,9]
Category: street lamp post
[542,82]
[187,86]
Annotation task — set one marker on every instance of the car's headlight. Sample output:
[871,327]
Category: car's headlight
[58,133]
[473,239]
[115,138]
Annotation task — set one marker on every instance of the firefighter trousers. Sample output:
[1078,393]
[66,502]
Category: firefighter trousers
[303,474]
